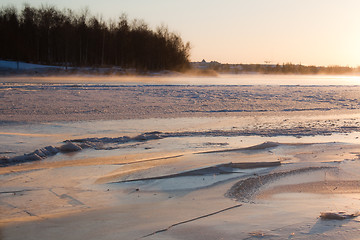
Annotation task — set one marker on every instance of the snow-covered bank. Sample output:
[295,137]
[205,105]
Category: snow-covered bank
[10,69]
[14,65]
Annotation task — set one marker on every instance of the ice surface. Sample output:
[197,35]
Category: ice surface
[79,138]
[71,102]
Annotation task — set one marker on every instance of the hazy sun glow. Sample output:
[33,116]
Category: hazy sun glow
[321,32]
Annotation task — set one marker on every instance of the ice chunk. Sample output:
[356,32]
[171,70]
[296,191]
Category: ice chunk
[70,147]
[337,216]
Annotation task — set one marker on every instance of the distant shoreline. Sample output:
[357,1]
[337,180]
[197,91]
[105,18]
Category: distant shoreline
[22,69]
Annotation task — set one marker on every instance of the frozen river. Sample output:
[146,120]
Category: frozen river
[135,155]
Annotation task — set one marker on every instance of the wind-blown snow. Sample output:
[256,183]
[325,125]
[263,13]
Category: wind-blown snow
[64,102]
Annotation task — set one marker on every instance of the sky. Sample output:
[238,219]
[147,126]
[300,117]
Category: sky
[308,32]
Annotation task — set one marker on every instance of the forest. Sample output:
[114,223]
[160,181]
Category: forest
[47,35]
[285,68]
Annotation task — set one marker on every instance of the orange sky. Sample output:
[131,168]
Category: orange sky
[311,32]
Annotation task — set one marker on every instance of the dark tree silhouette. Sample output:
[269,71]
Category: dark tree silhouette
[47,35]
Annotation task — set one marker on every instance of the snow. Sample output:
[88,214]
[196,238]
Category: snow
[66,102]
[13,65]
[90,138]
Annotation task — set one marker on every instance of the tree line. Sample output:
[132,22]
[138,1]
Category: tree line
[286,68]
[47,35]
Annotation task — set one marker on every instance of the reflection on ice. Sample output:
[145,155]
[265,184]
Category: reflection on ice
[181,167]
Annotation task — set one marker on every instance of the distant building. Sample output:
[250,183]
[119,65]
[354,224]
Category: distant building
[205,65]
